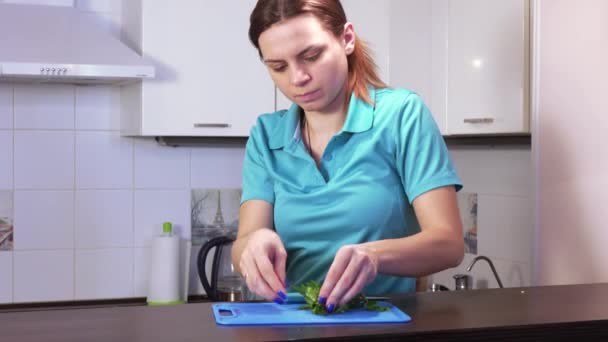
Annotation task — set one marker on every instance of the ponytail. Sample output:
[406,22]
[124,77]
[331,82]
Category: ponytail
[362,72]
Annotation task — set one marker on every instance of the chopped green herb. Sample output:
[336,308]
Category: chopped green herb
[310,292]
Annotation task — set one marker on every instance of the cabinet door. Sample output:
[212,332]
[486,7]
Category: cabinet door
[418,52]
[210,80]
[370,20]
[487,66]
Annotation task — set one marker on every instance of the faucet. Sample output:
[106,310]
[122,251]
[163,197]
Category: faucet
[481,257]
[463,281]
[438,287]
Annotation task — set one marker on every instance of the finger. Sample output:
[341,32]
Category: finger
[255,281]
[266,269]
[247,272]
[363,278]
[243,264]
[343,285]
[337,268]
[260,286]
[280,261]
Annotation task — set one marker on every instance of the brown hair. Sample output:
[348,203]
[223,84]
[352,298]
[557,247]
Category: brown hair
[361,67]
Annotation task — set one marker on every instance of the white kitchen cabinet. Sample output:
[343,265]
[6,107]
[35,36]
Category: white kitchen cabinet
[371,24]
[468,59]
[488,78]
[209,78]
[418,52]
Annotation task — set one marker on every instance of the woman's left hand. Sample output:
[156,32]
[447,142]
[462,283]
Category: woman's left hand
[353,267]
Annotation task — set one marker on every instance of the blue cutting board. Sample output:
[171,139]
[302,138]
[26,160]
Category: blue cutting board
[272,314]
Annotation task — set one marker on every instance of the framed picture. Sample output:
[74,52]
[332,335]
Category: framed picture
[6,221]
[214,212]
[467,203]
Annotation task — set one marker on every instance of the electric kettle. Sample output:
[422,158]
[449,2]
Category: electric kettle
[226,284]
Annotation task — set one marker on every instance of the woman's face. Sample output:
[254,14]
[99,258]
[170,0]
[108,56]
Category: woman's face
[307,62]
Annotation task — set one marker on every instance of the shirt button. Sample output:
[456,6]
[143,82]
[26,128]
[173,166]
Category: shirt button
[327,157]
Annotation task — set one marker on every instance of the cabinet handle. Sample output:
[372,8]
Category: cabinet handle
[211,125]
[479,120]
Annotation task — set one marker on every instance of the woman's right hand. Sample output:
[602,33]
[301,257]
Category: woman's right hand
[262,264]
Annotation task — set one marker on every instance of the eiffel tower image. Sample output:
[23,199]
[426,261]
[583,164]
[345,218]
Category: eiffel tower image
[218,221]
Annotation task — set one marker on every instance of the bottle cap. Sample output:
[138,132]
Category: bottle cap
[167,228]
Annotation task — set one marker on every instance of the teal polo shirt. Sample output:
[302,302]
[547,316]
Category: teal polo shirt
[385,156]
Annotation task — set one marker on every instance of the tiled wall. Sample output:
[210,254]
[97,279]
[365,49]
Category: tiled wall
[87,201]
[502,178]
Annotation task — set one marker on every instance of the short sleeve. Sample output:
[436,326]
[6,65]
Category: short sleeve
[422,158]
[257,183]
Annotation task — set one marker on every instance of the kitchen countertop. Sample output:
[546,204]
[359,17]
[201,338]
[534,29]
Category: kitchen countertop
[524,314]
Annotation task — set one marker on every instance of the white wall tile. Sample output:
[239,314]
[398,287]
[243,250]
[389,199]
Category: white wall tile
[6,106]
[98,107]
[494,170]
[111,6]
[44,159]
[152,208]
[45,219]
[220,167]
[142,262]
[6,204]
[6,160]
[43,275]
[512,274]
[6,280]
[44,106]
[103,160]
[104,218]
[104,273]
[161,166]
[505,227]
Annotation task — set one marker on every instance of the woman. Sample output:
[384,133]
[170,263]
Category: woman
[353,185]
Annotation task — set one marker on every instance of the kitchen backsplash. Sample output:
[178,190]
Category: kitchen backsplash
[85,201]
[502,180]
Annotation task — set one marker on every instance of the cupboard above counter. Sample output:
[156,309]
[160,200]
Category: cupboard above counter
[468,59]
[210,81]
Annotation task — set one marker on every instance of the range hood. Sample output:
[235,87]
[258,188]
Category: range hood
[59,44]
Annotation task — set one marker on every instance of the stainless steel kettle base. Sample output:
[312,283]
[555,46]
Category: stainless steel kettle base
[230,296]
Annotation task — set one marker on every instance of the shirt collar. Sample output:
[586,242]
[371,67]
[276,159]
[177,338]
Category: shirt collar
[287,129]
[359,118]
